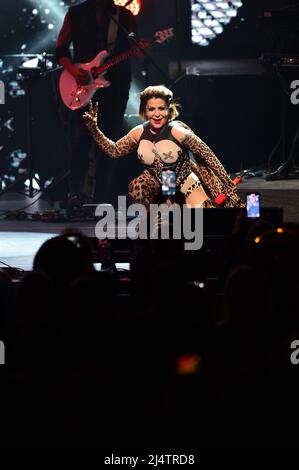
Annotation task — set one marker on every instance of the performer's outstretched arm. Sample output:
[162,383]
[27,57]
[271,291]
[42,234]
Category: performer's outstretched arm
[203,155]
[121,148]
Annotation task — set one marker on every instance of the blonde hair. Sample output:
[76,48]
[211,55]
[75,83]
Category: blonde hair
[158,91]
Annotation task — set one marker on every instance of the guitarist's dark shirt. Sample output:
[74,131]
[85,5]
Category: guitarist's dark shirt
[86,27]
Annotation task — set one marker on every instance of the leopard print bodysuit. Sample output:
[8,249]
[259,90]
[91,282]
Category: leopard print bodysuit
[163,151]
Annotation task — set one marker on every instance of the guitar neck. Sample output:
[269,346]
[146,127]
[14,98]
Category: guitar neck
[116,60]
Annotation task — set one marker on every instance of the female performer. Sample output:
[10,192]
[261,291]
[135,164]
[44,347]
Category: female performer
[163,143]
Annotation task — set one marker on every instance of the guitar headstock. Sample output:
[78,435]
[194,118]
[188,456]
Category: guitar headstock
[159,37]
[162,35]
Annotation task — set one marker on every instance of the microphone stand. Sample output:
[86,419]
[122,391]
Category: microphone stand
[287,168]
[178,36]
[131,35]
[180,72]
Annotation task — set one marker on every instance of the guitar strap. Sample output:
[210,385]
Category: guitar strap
[112,32]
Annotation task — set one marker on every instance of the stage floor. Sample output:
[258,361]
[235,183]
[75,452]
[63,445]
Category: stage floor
[18,248]
[20,239]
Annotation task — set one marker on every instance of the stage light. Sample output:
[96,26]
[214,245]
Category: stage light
[208,18]
[32,63]
[188,364]
[35,185]
[134,5]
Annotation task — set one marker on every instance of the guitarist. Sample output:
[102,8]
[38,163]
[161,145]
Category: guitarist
[90,28]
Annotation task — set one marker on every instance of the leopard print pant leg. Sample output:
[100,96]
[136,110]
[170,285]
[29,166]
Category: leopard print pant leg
[143,188]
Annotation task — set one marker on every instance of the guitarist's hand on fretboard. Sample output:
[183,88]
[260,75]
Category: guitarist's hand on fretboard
[81,76]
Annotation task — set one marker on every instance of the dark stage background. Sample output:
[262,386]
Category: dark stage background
[237,112]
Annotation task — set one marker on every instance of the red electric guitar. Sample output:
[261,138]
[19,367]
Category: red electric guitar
[77,96]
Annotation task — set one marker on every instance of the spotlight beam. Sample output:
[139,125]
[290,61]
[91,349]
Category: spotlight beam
[57,13]
[54,6]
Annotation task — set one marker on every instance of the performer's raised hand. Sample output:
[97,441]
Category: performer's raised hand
[91,117]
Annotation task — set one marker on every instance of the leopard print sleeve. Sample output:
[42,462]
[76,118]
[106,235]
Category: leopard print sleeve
[203,154]
[121,148]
